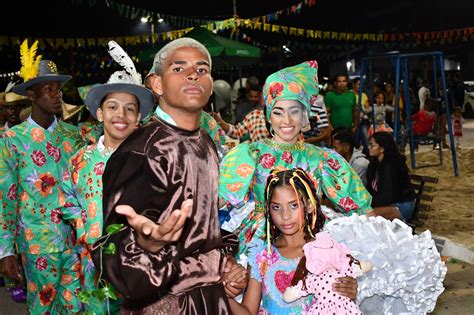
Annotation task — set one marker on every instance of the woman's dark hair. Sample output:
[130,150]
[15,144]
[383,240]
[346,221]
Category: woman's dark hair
[385,140]
[299,180]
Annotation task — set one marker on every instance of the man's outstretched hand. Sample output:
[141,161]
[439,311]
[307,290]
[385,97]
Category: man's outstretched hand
[153,236]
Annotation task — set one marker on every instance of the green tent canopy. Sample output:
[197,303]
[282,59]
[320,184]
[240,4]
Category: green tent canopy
[225,53]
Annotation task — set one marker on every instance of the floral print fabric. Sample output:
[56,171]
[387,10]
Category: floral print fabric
[299,83]
[244,172]
[83,191]
[53,282]
[83,208]
[32,165]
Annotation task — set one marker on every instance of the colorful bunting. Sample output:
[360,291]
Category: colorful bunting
[235,24]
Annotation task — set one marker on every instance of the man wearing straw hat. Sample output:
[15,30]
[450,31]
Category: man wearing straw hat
[12,105]
[33,161]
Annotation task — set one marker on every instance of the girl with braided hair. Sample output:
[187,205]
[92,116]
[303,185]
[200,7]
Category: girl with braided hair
[293,218]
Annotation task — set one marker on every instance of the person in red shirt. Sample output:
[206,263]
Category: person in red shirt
[424,119]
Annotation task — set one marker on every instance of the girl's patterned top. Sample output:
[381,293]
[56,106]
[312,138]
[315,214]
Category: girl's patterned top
[244,172]
[33,161]
[275,273]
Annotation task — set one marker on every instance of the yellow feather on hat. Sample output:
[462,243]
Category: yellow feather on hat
[29,60]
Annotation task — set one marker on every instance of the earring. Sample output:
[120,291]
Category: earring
[272,133]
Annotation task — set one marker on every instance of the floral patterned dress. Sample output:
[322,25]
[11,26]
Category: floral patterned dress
[275,273]
[244,172]
[83,208]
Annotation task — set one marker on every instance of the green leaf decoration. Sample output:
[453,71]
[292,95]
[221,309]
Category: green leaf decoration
[84,297]
[99,294]
[109,292]
[114,228]
[110,249]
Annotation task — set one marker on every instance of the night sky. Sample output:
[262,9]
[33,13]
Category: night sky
[69,18]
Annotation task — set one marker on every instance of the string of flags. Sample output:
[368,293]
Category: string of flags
[464,34]
[134,13]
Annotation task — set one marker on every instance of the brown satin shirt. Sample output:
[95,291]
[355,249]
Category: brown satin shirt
[154,171]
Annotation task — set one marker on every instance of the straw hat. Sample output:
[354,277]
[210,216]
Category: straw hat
[70,110]
[25,113]
[11,99]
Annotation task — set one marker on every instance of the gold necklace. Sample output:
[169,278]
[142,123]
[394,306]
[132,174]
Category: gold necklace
[284,146]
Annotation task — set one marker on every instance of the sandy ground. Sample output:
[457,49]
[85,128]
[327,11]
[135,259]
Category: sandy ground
[458,297]
[452,216]
[452,213]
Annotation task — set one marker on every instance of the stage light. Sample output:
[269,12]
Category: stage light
[144,19]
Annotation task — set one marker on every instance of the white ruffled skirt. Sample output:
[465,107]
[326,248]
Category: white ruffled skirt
[407,275]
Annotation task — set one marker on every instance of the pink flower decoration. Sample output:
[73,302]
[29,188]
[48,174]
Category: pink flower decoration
[53,151]
[38,158]
[99,168]
[56,215]
[334,164]
[313,64]
[267,160]
[11,194]
[287,157]
[348,204]
[41,263]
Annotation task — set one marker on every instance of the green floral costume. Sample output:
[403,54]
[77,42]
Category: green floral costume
[83,208]
[244,170]
[33,161]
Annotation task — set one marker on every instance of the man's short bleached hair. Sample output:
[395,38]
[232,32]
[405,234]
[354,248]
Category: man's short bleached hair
[168,49]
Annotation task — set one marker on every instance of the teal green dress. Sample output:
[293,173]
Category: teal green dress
[244,172]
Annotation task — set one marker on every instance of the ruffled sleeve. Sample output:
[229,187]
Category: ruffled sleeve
[342,185]
[257,259]
[209,124]
[237,171]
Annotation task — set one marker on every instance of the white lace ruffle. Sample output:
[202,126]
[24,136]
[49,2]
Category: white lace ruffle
[408,273]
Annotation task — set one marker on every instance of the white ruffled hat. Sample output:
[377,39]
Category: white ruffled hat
[125,81]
